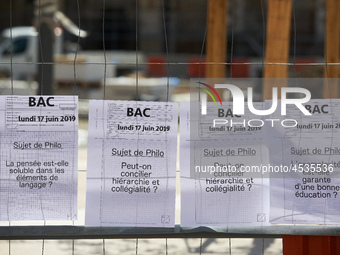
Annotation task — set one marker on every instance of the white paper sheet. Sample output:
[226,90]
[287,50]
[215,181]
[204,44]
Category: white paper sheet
[39,157]
[310,192]
[222,199]
[131,175]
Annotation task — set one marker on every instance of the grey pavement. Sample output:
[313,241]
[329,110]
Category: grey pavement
[141,246]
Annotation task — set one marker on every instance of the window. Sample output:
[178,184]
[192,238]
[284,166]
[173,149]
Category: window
[19,46]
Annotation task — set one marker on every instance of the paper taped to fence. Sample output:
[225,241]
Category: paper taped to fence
[39,157]
[131,176]
[308,192]
[214,189]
